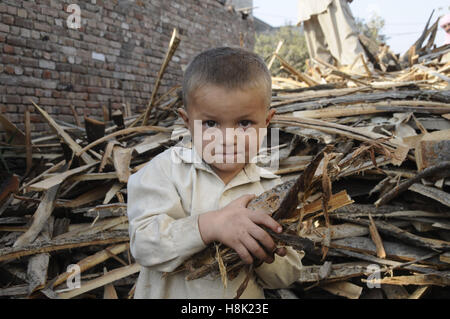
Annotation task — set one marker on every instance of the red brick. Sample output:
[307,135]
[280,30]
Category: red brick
[15,99]
[7,19]
[9,69]
[46,74]
[8,49]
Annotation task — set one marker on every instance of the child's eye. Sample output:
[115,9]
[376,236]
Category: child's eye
[245,123]
[210,123]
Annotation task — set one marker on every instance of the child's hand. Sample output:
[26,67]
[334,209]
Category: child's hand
[236,226]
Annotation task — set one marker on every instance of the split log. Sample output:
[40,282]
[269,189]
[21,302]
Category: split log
[109,290]
[10,253]
[401,234]
[140,129]
[66,137]
[432,149]
[122,160]
[94,130]
[440,170]
[426,95]
[117,118]
[396,146]
[37,271]
[417,280]
[109,277]
[339,272]
[381,253]
[445,257]
[39,218]
[48,183]
[431,192]
[300,76]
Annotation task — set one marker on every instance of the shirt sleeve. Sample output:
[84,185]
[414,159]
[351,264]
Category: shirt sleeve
[162,234]
[283,272]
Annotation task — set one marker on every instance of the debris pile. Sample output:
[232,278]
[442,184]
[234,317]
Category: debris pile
[365,160]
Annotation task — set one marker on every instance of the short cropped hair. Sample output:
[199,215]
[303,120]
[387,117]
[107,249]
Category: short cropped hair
[231,68]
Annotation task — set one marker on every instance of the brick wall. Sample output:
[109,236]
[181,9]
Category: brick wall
[113,58]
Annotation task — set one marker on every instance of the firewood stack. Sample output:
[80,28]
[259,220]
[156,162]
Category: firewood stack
[365,160]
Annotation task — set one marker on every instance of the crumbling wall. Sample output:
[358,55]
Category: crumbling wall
[112,59]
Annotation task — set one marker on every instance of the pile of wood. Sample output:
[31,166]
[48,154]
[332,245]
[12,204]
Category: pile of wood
[365,160]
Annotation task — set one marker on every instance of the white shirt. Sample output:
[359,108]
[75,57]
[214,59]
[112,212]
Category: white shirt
[308,8]
[165,198]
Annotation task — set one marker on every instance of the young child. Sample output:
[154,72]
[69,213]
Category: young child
[187,198]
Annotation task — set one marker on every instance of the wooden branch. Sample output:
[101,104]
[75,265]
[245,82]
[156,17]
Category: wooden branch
[39,218]
[431,192]
[59,178]
[9,253]
[139,129]
[109,291]
[173,45]
[85,198]
[441,170]
[274,55]
[369,74]
[109,277]
[426,95]
[365,109]
[92,261]
[66,137]
[122,160]
[400,149]
[339,272]
[37,271]
[381,253]
[347,76]
[50,170]
[417,280]
[401,234]
[301,76]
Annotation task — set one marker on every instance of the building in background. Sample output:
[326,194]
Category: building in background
[113,59]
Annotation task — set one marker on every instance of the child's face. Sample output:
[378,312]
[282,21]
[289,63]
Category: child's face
[227,126]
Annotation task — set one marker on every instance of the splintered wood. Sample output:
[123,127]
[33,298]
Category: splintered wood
[364,161]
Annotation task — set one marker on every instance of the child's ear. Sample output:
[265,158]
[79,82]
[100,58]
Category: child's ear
[182,112]
[270,115]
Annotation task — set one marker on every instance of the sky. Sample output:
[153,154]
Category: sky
[404,19]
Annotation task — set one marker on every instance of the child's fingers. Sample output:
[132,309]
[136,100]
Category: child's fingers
[254,248]
[281,251]
[262,218]
[263,238]
[243,253]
